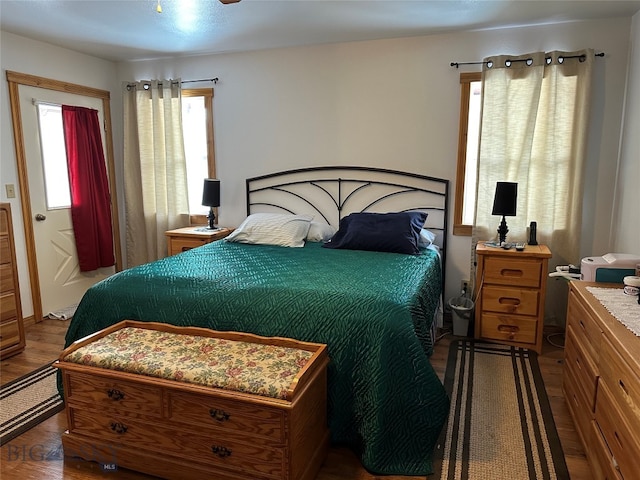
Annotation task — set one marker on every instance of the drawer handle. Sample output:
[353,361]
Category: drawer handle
[184,249]
[623,387]
[219,415]
[510,272]
[510,330]
[115,395]
[509,301]
[119,428]
[221,451]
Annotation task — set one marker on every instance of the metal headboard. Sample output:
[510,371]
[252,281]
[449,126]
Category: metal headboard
[331,192]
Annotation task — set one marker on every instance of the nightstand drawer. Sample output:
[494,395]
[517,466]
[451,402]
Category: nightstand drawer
[9,334]
[509,328]
[512,272]
[510,300]
[184,244]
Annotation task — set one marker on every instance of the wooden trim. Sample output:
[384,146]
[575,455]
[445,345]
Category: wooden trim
[14,80]
[465,92]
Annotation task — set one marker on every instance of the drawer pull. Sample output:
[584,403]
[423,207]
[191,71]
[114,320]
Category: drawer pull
[115,395]
[510,272]
[118,428]
[219,415]
[510,330]
[509,301]
[221,451]
[623,387]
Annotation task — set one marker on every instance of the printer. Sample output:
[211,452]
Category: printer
[612,267]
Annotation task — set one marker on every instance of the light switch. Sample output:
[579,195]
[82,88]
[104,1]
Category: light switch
[11,190]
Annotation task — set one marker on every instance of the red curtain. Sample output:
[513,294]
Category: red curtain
[90,197]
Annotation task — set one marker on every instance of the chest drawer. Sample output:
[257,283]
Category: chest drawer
[620,438]
[581,411]
[5,250]
[511,328]
[9,333]
[512,272]
[604,466]
[584,327]
[257,421]
[6,278]
[254,460]
[102,392]
[510,300]
[8,309]
[581,366]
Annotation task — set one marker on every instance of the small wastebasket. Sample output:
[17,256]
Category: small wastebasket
[462,309]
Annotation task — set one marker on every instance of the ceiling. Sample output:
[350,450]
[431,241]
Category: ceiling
[124,30]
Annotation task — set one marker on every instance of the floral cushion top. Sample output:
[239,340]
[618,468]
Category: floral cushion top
[255,368]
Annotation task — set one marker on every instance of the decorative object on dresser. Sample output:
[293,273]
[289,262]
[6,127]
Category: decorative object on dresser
[211,199]
[510,297]
[241,407]
[183,239]
[504,203]
[12,339]
[601,382]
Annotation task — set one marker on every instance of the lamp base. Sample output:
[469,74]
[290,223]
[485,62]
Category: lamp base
[502,230]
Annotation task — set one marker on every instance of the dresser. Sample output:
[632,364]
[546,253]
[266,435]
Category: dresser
[182,239]
[510,295]
[601,383]
[12,339]
[205,404]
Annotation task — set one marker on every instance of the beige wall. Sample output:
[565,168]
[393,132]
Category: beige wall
[388,103]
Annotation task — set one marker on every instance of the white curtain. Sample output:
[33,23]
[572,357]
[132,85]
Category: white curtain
[155,180]
[535,111]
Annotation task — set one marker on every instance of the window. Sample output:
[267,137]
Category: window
[468,137]
[54,156]
[197,125]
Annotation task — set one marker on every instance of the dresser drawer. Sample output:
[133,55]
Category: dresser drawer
[584,327]
[581,366]
[512,272]
[101,392]
[5,250]
[510,300]
[258,421]
[184,244]
[623,383]
[9,334]
[6,278]
[578,405]
[600,457]
[509,328]
[8,308]
[621,440]
[254,460]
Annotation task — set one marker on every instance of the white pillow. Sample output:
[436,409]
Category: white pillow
[320,232]
[281,229]
[426,238]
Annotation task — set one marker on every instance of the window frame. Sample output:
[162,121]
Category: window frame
[207,93]
[465,93]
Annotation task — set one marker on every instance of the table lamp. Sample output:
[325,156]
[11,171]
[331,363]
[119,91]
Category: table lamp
[504,203]
[211,199]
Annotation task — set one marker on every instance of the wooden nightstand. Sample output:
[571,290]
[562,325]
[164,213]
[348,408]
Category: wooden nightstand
[182,239]
[510,303]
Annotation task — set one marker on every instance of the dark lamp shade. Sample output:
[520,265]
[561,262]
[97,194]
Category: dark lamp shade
[504,202]
[211,192]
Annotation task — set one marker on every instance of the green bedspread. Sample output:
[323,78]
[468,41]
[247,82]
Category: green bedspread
[373,310]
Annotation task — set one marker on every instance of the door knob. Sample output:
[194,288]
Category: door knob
[40,217]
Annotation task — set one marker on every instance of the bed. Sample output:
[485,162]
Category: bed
[375,310]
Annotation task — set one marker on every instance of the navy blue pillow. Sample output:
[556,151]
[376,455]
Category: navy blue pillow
[380,232]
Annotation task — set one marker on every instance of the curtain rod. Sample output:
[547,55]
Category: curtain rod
[214,80]
[457,64]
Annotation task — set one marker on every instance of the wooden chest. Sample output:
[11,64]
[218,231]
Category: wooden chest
[196,410]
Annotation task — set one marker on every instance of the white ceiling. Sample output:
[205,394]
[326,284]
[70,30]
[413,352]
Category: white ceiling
[123,30]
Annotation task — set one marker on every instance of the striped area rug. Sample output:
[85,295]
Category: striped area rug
[500,423]
[27,401]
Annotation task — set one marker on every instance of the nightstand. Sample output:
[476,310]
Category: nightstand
[509,305]
[182,239]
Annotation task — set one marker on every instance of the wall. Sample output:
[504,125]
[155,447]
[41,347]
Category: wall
[626,222]
[23,55]
[388,103]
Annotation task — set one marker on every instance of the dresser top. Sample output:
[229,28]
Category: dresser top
[540,251]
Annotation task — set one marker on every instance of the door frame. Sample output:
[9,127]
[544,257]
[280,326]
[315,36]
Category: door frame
[16,79]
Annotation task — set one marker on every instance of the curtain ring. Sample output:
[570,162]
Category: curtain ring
[560,59]
[529,62]
[507,63]
[582,58]
[490,64]
[548,60]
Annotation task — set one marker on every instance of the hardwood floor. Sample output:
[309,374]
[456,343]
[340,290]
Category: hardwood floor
[37,454]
